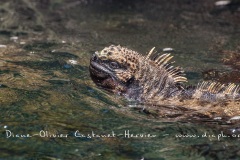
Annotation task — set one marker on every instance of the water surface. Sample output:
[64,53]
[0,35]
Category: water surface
[46,90]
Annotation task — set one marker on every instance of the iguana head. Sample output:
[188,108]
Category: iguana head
[114,68]
[138,77]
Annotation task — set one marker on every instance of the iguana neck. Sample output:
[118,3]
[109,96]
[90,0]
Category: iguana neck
[151,82]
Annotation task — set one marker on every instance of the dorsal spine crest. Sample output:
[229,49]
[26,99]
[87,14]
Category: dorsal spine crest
[163,62]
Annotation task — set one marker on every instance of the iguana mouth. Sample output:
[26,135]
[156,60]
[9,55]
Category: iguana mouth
[96,66]
[101,75]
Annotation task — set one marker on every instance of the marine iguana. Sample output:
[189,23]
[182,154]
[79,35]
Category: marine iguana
[153,81]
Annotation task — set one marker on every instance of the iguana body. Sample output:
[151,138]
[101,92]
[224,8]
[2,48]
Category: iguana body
[155,81]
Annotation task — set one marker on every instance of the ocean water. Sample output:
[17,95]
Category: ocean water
[50,108]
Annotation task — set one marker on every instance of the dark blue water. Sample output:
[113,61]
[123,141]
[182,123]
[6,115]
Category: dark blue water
[50,108]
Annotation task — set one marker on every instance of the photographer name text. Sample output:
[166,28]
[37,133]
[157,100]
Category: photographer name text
[78,134]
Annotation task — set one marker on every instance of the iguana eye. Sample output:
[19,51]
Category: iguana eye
[114,65]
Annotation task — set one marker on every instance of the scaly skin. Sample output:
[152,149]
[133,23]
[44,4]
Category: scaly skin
[156,83]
